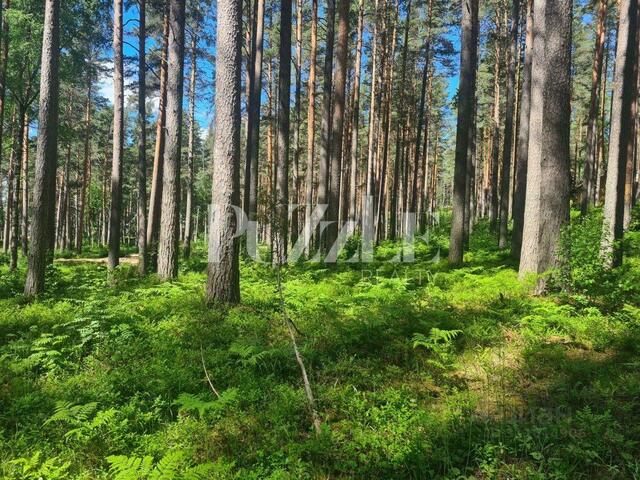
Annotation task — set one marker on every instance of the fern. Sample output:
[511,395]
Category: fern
[189,402]
[438,342]
[173,466]
[168,466]
[436,338]
[250,355]
[70,413]
[130,468]
[32,468]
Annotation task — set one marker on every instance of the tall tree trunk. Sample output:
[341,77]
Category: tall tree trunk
[371,143]
[471,153]
[588,190]
[355,123]
[466,95]
[632,139]
[4,57]
[253,117]
[386,81]
[104,234]
[505,187]
[142,141]
[15,207]
[520,178]
[337,122]
[63,199]
[621,121]
[548,175]
[170,214]
[422,123]
[6,228]
[400,124]
[325,140]
[295,214]
[25,187]
[223,283]
[600,167]
[311,118]
[190,153]
[115,218]
[85,168]
[46,153]
[495,140]
[282,173]
[155,198]
[423,205]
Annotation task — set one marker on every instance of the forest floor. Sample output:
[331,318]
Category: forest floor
[420,371]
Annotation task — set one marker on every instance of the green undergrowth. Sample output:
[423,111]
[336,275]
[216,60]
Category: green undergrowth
[419,370]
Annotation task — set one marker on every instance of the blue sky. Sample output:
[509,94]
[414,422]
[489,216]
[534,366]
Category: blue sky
[204,103]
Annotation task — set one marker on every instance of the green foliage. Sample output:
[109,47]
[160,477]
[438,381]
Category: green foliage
[634,225]
[583,271]
[34,468]
[189,402]
[419,371]
[439,342]
[173,466]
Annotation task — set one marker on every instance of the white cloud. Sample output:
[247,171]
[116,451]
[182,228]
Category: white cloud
[105,82]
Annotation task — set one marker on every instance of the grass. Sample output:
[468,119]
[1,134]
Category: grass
[420,371]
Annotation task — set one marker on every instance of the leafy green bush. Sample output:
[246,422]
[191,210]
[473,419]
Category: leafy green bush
[583,271]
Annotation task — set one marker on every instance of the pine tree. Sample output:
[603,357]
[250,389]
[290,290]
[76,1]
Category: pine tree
[548,176]
[466,95]
[223,283]
[170,210]
[46,156]
[621,129]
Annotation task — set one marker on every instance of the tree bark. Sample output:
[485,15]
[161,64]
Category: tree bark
[281,239]
[186,249]
[115,217]
[142,141]
[6,228]
[25,187]
[632,139]
[325,140]
[505,186]
[466,95]
[548,175]
[170,210]
[588,190]
[295,214]
[355,125]
[337,122]
[422,123]
[523,140]
[253,120]
[223,283]
[621,121]
[4,56]
[311,118]
[15,207]
[155,198]
[85,168]
[46,153]
[495,141]
[399,125]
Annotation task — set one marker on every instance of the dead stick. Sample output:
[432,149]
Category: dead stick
[305,379]
[206,374]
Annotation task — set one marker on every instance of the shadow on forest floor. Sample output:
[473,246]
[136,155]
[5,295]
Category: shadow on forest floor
[419,370]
